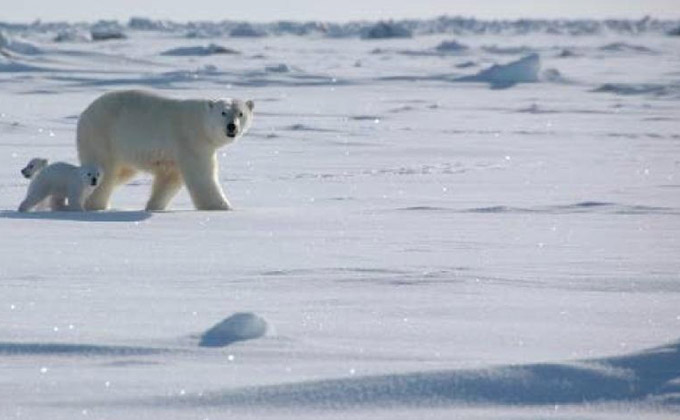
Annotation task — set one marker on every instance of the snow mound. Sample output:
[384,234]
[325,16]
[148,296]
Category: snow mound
[107,30]
[624,47]
[566,53]
[386,30]
[466,64]
[146,24]
[238,327]
[71,35]
[654,89]
[246,30]
[495,49]
[524,70]
[278,68]
[648,375]
[9,45]
[199,50]
[452,46]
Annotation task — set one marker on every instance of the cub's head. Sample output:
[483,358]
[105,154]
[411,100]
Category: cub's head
[230,118]
[90,175]
[33,167]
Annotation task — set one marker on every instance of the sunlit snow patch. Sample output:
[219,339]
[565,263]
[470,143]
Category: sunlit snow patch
[238,327]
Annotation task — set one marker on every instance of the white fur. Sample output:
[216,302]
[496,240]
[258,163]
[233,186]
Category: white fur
[32,168]
[175,140]
[65,185]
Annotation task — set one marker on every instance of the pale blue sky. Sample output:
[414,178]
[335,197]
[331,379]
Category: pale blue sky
[335,10]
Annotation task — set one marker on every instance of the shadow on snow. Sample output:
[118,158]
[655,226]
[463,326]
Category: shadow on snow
[80,216]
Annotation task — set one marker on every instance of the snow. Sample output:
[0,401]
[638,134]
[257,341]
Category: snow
[238,327]
[403,245]
[524,70]
[199,50]
[107,30]
[9,45]
[383,30]
[451,46]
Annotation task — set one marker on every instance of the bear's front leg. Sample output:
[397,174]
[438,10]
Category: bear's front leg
[200,174]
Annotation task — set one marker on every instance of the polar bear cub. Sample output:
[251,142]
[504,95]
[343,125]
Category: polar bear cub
[33,167]
[175,140]
[66,186]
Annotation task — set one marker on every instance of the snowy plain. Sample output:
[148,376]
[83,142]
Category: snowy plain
[428,229]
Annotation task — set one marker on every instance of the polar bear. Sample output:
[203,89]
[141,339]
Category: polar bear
[175,140]
[34,166]
[66,186]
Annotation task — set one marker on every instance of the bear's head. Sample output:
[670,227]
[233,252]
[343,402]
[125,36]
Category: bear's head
[90,175]
[33,167]
[229,119]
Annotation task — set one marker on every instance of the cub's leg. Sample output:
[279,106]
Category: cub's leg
[165,187]
[57,203]
[33,198]
[76,198]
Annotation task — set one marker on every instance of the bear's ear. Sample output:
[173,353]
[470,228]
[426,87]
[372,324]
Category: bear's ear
[250,104]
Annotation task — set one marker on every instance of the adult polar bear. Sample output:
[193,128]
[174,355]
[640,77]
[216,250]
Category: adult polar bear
[175,140]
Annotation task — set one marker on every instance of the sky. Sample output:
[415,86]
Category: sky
[336,10]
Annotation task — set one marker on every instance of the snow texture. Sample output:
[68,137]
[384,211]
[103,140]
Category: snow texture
[425,244]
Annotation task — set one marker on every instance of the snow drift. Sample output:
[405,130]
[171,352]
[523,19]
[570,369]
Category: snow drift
[452,46]
[238,327]
[210,49]
[649,375]
[524,70]
[384,30]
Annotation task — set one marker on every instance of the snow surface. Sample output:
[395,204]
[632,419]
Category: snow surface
[419,247]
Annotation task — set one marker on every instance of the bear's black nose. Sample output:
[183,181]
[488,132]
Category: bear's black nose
[231,127]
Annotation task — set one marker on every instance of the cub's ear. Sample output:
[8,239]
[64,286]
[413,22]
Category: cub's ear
[250,104]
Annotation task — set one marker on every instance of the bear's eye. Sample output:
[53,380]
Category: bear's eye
[89,174]
[240,114]
[224,114]
[30,166]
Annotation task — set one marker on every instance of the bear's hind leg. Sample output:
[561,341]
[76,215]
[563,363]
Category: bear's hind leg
[33,198]
[165,187]
[57,203]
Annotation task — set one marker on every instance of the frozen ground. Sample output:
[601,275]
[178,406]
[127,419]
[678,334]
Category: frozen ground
[469,231]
